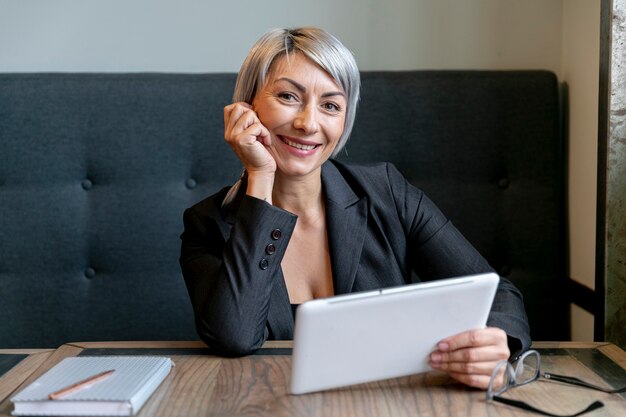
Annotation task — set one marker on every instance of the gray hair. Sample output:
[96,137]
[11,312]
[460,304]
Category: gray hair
[316,44]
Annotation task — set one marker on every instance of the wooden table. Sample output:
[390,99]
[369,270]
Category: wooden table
[205,385]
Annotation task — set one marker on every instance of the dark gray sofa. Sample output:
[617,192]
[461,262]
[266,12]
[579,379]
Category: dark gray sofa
[96,169]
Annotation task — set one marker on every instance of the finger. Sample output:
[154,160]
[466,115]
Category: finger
[240,130]
[264,135]
[246,119]
[481,368]
[252,128]
[472,338]
[493,353]
[233,117]
[228,109]
[232,114]
[472,380]
[257,133]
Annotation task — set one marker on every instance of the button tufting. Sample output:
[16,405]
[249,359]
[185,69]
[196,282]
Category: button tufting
[86,184]
[264,264]
[270,249]
[90,273]
[191,183]
[276,234]
[503,183]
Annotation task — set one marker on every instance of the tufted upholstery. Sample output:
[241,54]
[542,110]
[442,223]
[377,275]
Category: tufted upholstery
[96,169]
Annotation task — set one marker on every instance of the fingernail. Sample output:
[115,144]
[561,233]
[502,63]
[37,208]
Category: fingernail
[443,346]
[435,357]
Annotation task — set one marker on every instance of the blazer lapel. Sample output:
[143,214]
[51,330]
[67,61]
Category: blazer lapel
[346,220]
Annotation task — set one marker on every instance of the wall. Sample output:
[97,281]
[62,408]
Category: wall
[214,36]
[580,71]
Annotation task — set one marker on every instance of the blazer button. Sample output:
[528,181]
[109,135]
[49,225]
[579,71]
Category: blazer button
[191,183]
[270,249]
[276,234]
[264,264]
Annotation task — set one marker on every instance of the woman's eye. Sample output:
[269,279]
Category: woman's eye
[331,107]
[287,96]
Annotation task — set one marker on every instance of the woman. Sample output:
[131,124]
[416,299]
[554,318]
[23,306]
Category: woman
[299,225]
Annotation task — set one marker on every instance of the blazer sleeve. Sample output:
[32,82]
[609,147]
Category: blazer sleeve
[438,250]
[230,278]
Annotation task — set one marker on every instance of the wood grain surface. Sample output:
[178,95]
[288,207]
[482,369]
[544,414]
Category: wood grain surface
[257,385]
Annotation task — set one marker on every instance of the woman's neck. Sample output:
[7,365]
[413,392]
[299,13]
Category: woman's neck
[300,195]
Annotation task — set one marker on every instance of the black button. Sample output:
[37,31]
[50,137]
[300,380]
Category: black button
[264,263]
[270,249]
[87,184]
[276,234]
[90,273]
[503,183]
[191,183]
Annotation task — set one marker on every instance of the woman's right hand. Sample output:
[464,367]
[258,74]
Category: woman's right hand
[250,140]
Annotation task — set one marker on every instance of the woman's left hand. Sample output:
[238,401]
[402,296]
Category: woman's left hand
[470,357]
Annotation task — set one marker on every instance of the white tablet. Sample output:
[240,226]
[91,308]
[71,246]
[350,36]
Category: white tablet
[374,335]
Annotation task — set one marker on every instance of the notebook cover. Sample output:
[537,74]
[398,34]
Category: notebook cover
[123,393]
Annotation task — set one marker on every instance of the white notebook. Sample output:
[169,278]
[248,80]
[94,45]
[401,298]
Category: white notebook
[122,393]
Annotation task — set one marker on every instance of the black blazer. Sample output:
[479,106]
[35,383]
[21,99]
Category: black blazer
[380,230]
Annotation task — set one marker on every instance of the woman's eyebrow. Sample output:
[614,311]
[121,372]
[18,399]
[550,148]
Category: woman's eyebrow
[302,88]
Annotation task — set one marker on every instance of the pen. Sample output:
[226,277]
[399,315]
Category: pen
[77,386]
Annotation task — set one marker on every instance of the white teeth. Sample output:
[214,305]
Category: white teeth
[298,145]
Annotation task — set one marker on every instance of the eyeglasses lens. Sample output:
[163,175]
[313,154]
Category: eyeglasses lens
[501,378]
[527,369]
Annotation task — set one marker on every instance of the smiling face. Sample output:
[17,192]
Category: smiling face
[305,111]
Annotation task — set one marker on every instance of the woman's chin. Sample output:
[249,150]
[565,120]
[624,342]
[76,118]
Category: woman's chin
[297,173]
[299,166]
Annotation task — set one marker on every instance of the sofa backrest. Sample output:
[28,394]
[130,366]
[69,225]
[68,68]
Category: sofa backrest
[96,170]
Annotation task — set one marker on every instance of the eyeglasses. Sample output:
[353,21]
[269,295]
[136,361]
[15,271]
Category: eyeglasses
[575,381]
[526,370]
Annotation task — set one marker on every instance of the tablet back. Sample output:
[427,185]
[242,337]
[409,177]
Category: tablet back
[373,335]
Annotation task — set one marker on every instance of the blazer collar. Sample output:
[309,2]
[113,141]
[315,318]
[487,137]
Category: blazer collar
[336,188]
[346,222]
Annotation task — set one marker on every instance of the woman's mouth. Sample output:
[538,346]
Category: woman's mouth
[297,145]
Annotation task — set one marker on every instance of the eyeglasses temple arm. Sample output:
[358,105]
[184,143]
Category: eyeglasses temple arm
[575,381]
[520,404]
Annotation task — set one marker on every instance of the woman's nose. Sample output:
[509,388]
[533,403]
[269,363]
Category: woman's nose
[306,120]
